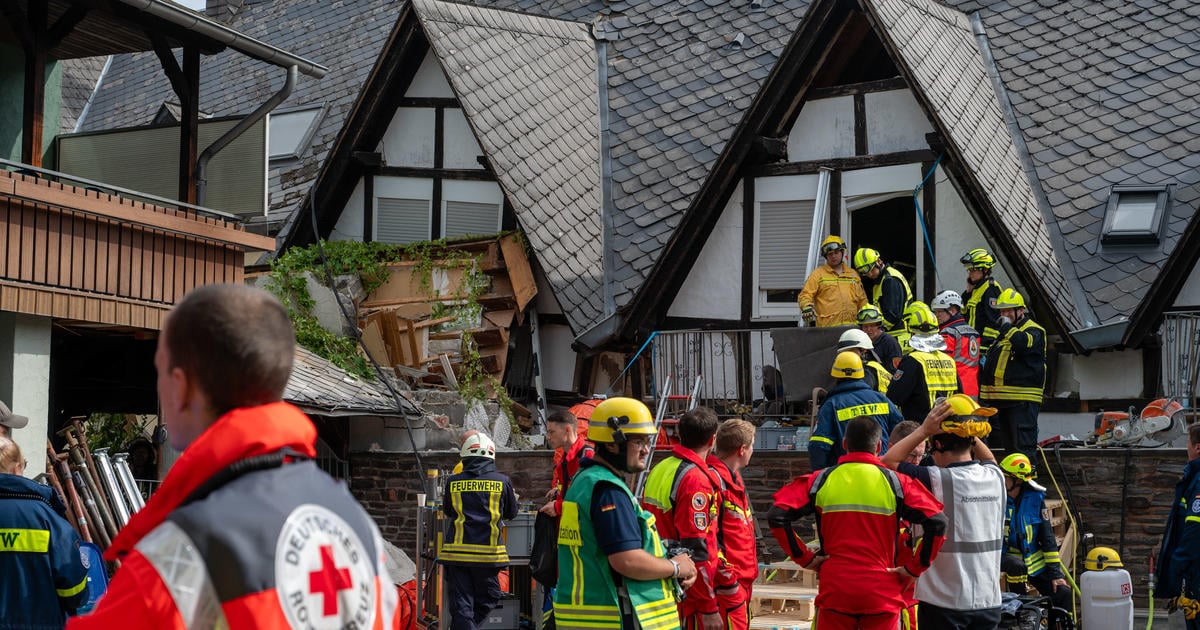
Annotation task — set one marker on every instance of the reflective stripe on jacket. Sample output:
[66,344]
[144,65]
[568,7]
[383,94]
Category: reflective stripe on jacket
[891,296]
[836,297]
[1015,368]
[880,374]
[43,577]
[737,536]
[587,596]
[1031,536]
[979,309]
[847,400]
[475,502]
[941,377]
[1179,558]
[963,345]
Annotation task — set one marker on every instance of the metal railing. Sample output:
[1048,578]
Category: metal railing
[740,373]
[328,461]
[1180,336]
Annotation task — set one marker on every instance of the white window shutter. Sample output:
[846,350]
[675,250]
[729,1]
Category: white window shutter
[402,221]
[784,228]
[466,217]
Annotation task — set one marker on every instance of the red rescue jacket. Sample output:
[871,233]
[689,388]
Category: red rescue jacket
[566,464]
[737,533]
[312,566]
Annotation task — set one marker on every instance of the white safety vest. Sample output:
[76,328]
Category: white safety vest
[965,575]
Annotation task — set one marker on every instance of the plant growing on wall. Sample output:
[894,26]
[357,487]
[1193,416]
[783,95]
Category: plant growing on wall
[115,430]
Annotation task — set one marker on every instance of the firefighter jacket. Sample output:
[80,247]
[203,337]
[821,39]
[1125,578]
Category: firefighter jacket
[962,344]
[474,502]
[44,579]
[1015,369]
[682,494]
[588,596]
[737,535]
[876,376]
[891,295]
[858,506]
[238,537]
[835,296]
[1178,567]
[1029,534]
[979,309]
[566,464]
[921,379]
[966,574]
[848,399]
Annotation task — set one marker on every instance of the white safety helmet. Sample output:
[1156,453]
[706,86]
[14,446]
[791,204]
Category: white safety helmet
[478,445]
[855,338]
[945,300]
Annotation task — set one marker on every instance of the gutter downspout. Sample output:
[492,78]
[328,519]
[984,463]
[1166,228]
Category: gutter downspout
[239,129]
[608,257]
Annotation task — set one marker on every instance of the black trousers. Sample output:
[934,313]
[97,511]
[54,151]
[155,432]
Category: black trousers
[933,617]
[472,593]
[1015,428]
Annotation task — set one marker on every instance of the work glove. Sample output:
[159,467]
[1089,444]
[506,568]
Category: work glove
[809,315]
[1189,606]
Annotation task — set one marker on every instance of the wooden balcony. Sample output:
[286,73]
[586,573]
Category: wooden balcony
[90,257]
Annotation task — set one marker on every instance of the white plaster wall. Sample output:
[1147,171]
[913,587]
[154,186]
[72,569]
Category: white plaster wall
[1189,295]
[824,128]
[461,150]
[27,372]
[713,287]
[957,233]
[1101,375]
[895,122]
[409,138]
[430,82]
[349,226]
[558,359]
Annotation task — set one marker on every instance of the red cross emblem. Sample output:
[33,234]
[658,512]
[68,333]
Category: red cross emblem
[328,581]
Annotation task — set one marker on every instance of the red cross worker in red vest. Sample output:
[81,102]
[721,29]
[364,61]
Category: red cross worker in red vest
[857,504]
[737,532]
[245,531]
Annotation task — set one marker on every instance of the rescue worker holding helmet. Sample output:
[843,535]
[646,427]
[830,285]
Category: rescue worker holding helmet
[889,291]
[887,348]
[874,373]
[962,341]
[1014,375]
[613,569]
[927,373]
[849,399]
[832,294]
[1031,552]
[979,300]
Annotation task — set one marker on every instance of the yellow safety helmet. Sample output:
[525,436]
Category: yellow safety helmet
[1019,466]
[919,318]
[864,259]
[869,315]
[965,407]
[969,418]
[832,243]
[1009,298]
[977,259]
[847,365]
[1101,558]
[616,418]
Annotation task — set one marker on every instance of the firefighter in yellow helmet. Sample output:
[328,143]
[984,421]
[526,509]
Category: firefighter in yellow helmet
[979,299]
[850,398]
[614,573]
[874,373]
[1014,375]
[832,294]
[1031,552]
[927,373]
[887,288]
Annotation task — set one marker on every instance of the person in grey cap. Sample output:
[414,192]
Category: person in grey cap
[10,420]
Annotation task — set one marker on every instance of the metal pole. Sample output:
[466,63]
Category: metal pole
[662,408]
[111,486]
[128,483]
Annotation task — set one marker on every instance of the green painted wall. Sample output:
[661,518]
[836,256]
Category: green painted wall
[12,94]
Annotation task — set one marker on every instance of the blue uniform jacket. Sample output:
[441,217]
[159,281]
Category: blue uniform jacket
[1179,560]
[847,400]
[1030,535]
[43,574]
[475,501]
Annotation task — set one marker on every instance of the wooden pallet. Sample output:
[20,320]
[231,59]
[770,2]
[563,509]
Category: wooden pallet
[780,622]
[787,572]
[783,599]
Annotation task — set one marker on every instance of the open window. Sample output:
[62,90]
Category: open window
[1134,215]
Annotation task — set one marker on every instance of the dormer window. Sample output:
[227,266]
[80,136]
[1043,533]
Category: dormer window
[1134,215]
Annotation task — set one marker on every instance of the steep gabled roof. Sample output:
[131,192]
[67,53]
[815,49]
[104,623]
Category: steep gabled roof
[528,87]
[344,37]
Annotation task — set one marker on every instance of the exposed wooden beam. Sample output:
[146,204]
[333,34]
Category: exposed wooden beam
[35,86]
[170,66]
[843,164]
[189,125]
[424,101]
[65,24]
[866,87]
[444,173]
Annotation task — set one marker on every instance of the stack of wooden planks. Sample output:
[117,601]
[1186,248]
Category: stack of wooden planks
[783,597]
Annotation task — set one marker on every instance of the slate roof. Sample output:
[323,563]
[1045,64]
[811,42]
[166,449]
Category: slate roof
[1105,94]
[528,87]
[321,388]
[344,37]
[937,46]
[79,77]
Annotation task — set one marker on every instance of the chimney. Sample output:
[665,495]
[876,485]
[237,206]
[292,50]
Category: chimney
[222,10]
